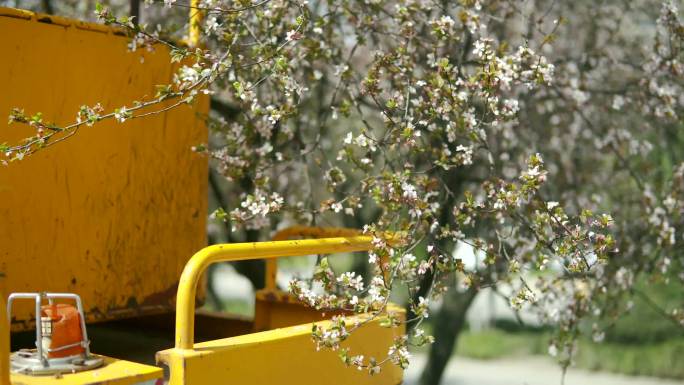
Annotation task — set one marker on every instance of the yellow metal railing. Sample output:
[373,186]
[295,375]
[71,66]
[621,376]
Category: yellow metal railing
[198,263]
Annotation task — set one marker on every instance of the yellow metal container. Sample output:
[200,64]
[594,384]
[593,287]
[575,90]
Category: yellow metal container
[113,212]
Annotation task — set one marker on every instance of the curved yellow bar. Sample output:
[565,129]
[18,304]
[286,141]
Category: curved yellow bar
[187,287]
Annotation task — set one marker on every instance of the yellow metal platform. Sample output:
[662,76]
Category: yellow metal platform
[282,356]
[114,372]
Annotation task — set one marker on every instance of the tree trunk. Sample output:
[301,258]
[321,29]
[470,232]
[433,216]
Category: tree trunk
[134,11]
[47,7]
[448,324]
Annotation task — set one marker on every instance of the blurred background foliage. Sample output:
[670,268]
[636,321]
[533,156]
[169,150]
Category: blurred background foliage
[642,343]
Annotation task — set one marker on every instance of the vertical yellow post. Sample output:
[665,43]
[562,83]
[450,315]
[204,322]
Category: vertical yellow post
[4,336]
[195,24]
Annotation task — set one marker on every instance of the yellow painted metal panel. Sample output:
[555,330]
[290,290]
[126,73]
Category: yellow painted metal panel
[4,336]
[114,372]
[277,309]
[113,212]
[283,356]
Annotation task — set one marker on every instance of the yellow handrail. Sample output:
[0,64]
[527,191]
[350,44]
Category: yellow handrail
[198,263]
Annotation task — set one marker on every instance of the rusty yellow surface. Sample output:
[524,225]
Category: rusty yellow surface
[284,356]
[113,212]
[4,336]
[277,309]
[114,372]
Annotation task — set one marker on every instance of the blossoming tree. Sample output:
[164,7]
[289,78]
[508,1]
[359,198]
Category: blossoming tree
[544,134]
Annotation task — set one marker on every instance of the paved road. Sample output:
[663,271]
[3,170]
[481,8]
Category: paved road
[523,371]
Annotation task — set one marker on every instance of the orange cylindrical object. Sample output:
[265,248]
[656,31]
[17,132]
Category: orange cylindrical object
[66,329]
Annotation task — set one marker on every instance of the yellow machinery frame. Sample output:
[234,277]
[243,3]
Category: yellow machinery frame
[285,355]
[185,302]
[274,355]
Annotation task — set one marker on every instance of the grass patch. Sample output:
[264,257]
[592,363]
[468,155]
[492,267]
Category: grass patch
[658,359]
[494,343]
[661,359]
[238,306]
[233,306]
